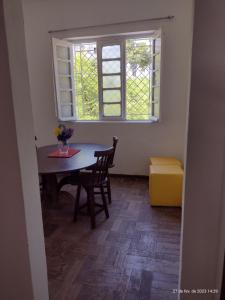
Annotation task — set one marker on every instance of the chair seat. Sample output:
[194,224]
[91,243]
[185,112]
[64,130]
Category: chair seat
[85,179]
[94,167]
[90,179]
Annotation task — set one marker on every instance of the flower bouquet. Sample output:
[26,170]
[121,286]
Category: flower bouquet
[63,134]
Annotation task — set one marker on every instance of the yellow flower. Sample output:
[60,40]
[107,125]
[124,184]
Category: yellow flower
[57,131]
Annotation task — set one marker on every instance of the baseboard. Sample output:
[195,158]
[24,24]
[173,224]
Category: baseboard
[128,175]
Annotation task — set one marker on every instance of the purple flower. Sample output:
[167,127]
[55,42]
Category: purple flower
[65,134]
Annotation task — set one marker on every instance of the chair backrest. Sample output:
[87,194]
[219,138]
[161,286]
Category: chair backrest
[115,142]
[100,169]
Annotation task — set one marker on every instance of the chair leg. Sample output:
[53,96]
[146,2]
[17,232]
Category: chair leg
[88,202]
[43,191]
[91,204]
[109,190]
[77,203]
[104,202]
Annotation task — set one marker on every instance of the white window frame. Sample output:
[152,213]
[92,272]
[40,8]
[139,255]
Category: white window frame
[58,90]
[100,44]
[155,100]
[112,40]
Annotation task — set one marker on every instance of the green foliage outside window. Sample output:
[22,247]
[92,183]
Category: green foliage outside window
[86,86]
[138,87]
[138,55]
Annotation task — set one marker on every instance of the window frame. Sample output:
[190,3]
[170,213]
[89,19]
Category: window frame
[108,41]
[113,39]
[63,43]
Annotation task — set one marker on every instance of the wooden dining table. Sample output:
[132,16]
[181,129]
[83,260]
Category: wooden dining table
[50,168]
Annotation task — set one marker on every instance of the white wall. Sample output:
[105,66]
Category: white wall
[203,213]
[23,269]
[14,251]
[137,141]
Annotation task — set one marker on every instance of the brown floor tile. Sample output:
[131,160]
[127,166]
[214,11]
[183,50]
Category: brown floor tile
[132,255]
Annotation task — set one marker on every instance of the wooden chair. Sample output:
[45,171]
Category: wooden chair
[107,185]
[89,181]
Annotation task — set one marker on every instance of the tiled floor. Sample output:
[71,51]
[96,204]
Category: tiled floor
[132,255]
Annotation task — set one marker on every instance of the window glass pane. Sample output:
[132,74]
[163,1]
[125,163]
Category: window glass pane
[66,97]
[111,51]
[66,111]
[111,81]
[86,81]
[111,96]
[112,110]
[63,52]
[111,66]
[64,68]
[65,83]
[139,78]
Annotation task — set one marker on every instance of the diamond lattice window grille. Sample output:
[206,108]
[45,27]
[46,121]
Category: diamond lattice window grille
[139,70]
[86,81]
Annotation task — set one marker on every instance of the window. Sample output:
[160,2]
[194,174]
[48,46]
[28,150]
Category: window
[108,78]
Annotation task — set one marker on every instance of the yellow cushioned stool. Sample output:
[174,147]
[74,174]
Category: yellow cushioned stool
[156,160]
[165,185]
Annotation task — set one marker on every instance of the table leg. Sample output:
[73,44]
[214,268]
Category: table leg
[50,186]
[72,179]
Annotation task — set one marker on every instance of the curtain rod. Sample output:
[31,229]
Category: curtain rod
[119,23]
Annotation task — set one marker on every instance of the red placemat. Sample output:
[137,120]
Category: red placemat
[70,153]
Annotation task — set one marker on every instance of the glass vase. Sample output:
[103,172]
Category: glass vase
[63,148]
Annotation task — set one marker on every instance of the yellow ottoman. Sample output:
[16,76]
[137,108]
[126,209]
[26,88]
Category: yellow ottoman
[156,160]
[165,185]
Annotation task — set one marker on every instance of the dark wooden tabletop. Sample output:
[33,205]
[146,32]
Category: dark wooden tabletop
[85,158]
